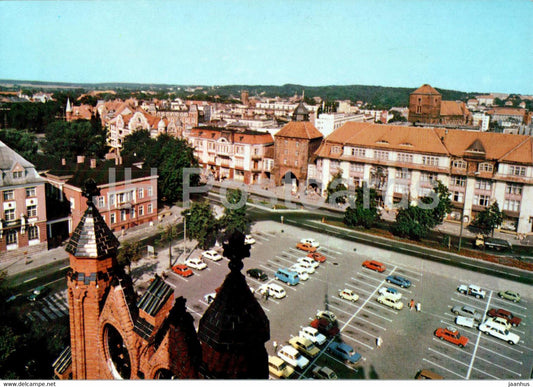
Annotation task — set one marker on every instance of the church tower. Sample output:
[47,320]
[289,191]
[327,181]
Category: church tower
[424,105]
[68,111]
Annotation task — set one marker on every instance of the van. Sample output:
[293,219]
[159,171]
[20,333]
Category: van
[287,276]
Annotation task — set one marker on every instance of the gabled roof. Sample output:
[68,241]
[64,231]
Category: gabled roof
[9,159]
[425,89]
[299,129]
[451,108]
[155,296]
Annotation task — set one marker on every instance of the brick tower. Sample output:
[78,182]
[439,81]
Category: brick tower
[114,333]
[424,105]
[234,329]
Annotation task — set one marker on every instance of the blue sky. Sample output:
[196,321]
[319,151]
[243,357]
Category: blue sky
[468,45]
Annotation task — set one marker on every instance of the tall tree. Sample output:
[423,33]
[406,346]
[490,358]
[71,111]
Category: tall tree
[22,142]
[201,224]
[70,139]
[337,190]
[363,209]
[488,219]
[235,218]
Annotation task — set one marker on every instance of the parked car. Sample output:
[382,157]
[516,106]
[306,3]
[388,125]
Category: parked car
[212,255]
[499,331]
[397,280]
[306,266]
[513,320]
[317,257]
[38,293]
[467,311]
[182,270]
[293,357]
[304,345]
[465,321]
[302,272]
[325,327]
[344,352]
[451,335]
[209,298]
[310,241]
[348,294]
[472,290]
[309,261]
[510,295]
[393,302]
[279,368]
[328,315]
[196,263]
[390,292]
[273,290]
[428,374]
[306,247]
[249,240]
[374,265]
[324,373]
[312,334]
[257,274]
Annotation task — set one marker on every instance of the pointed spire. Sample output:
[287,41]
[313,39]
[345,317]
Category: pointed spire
[69,108]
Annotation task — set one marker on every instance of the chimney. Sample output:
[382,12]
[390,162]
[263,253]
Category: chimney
[80,159]
[93,163]
[63,162]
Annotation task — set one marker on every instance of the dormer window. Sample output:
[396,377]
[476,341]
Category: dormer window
[335,149]
[459,164]
[485,167]
[18,174]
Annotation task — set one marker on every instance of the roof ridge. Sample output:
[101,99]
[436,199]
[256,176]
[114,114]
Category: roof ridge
[515,148]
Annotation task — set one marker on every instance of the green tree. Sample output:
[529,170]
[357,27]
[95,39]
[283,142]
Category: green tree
[488,219]
[201,224]
[22,142]
[337,190]
[235,218]
[168,234]
[129,252]
[363,209]
[70,139]
[439,204]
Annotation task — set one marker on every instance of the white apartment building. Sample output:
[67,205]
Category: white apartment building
[481,120]
[403,162]
[326,123]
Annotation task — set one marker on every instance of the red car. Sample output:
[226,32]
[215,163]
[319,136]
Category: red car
[306,247]
[182,270]
[325,327]
[317,257]
[374,265]
[513,320]
[452,335]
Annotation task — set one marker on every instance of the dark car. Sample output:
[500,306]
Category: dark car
[38,293]
[325,327]
[258,274]
[344,352]
[397,280]
[513,320]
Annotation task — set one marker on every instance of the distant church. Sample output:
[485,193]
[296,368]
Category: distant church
[115,334]
[427,107]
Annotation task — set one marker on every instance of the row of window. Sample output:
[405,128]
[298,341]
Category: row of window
[123,197]
[12,235]
[10,194]
[31,212]
[124,213]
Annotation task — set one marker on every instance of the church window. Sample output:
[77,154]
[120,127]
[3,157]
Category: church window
[117,353]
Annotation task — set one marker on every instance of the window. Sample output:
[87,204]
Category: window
[295,163]
[517,170]
[430,160]
[30,192]
[460,164]
[150,191]
[111,200]
[356,167]
[149,208]
[485,167]
[9,215]
[101,202]
[11,237]
[405,157]
[482,200]
[485,185]
[285,162]
[33,232]
[428,177]
[31,211]
[513,189]
[112,218]
[141,210]
[18,174]
[459,181]
[458,196]
[140,193]
[9,195]
[335,149]
[401,188]
[359,152]
[511,205]
[123,215]
[334,164]
[381,155]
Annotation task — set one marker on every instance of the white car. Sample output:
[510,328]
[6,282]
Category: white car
[249,240]
[196,263]
[310,241]
[312,334]
[302,272]
[273,290]
[208,298]
[310,261]
[326,314]
[293,357]
[465,321]
[392,302]
[212,255]
[498,330]
[306,266]
[391,292]
[348,294]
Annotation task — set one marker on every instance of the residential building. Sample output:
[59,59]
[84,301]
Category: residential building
[506,116]
[403,162]
[241,155]
[326,123]
[481,120]
[22,205]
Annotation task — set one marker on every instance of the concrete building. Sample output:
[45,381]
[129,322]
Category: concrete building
[326,123]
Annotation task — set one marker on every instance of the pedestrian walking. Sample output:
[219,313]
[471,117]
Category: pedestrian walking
[275,344]
[418,307]
[411,304]
[379,341]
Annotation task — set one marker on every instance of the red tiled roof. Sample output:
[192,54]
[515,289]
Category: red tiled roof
[299,129]
[425,89]
[451,108]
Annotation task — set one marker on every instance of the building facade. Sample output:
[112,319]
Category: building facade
[22,205]
[403,163]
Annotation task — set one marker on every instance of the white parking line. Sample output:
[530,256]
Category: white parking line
[28,280]
[460,362]
[406,268]
[446,369]
[477,341]
[366,311]
[372,278]
[499,354]
[499,366]
[501,343]
[357,341]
